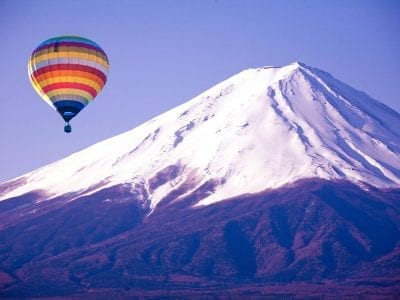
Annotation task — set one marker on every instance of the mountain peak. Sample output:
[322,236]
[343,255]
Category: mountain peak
[277,73]
[289,67]
[260,129]
[298,65]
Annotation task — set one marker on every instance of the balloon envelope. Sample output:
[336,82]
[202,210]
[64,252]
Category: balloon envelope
[68,72]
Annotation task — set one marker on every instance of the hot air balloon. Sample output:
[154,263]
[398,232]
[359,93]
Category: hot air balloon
[68,72]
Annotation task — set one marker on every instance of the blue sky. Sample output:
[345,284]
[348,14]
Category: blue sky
[163,53]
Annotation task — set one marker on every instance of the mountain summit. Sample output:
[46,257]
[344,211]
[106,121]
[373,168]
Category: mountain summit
[259,129]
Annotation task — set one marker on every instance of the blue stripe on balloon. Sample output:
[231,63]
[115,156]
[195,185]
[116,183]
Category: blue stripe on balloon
[68,103]
[69,39]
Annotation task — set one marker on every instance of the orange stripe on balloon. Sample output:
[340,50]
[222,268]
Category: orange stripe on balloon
[71,85]
[72,79]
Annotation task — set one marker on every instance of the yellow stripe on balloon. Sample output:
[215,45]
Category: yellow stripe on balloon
[78,92]
[80,55]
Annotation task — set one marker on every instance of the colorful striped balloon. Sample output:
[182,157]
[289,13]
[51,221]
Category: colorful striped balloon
[68,72]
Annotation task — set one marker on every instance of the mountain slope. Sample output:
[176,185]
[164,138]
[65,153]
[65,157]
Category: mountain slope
[261,128]
[312,237]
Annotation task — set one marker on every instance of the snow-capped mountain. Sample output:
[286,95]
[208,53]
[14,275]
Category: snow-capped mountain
[312,168]
[259,129]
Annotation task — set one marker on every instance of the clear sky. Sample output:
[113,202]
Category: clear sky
[162,53]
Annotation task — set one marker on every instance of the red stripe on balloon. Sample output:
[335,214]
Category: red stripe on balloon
[75,67]
[70,85]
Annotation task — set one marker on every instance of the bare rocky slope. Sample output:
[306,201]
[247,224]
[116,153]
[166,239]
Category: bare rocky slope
[302,239]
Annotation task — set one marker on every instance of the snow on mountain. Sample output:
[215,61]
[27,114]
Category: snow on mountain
[262,128]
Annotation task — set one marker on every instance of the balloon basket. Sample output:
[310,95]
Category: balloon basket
[67,128]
